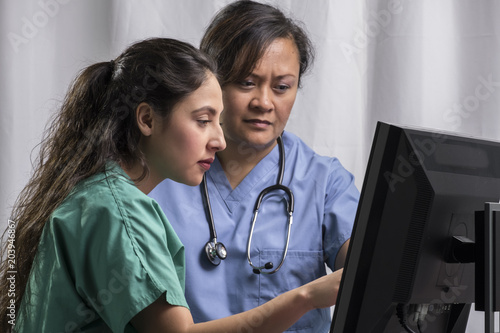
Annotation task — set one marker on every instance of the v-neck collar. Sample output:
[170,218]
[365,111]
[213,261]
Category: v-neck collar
[268,165]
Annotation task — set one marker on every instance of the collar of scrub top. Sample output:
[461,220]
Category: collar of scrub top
[216,251]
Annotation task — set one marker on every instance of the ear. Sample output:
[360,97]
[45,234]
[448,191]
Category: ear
[144,114]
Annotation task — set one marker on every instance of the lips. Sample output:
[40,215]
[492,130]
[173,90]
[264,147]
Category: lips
[258,122]
[205,164]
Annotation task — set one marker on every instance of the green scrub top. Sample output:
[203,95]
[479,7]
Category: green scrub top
[107,252]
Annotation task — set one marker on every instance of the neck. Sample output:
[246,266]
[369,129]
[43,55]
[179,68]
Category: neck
[237,160]
[147,184]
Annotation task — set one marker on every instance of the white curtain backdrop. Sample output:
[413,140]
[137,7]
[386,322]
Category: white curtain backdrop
[426,63]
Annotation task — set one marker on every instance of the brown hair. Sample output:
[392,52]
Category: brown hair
[240,33]
[96,124]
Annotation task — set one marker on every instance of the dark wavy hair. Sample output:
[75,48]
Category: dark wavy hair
[96,124]
[240,33]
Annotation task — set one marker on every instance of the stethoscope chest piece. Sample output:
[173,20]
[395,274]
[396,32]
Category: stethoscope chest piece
[215,252]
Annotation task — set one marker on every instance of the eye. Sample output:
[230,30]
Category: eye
[246,83]
[203,122]
[282,88]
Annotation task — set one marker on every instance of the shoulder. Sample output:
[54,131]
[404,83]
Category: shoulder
[298,153]
[327,172]
[295,148]
[108,214]
[101,199]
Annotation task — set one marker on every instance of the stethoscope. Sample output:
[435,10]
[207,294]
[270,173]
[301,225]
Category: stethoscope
[216,251]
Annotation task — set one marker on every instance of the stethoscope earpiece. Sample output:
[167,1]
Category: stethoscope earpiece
[258,270]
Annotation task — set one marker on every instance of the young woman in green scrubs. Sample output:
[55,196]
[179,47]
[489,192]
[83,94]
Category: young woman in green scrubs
[93,253]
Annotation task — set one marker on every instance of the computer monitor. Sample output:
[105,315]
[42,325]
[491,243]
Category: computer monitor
[416,215]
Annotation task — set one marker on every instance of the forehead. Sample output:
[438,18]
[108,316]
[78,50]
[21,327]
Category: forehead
[282,54]
[281,46]
[208,96]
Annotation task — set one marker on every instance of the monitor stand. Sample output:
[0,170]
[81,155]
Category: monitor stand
[487,297]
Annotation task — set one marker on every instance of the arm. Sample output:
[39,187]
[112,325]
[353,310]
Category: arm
[341,203]
[342,255]
[274,316]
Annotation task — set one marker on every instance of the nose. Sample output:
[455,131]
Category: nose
[262,100]
[217,142]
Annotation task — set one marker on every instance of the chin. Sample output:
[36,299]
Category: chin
[191,181]
[261,139]
[260,144]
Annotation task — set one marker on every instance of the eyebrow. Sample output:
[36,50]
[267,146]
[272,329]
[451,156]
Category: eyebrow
[279,77]
[205,108]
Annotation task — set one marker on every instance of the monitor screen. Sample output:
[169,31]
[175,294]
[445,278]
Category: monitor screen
[420,194]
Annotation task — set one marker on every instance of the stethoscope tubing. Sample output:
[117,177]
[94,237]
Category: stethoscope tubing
[216,251]
[290,205]
[210,217]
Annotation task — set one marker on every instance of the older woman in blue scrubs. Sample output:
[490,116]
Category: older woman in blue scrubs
[262,56]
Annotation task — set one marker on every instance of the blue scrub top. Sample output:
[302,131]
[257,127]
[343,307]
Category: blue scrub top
[325,205]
